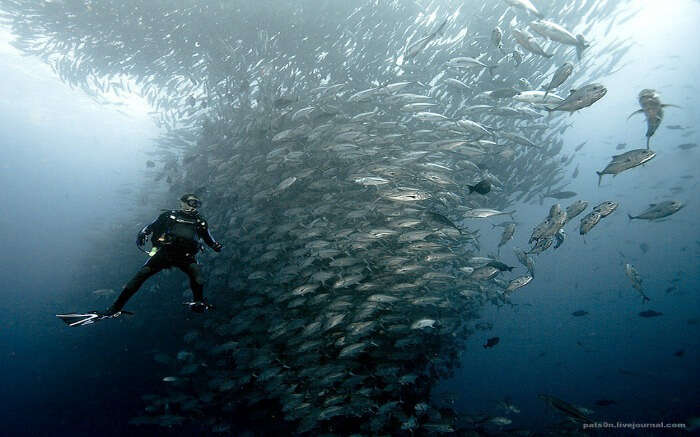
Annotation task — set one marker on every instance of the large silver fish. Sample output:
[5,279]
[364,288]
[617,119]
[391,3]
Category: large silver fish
[557,33]
[659,210]
[529,43]
[653,110]
[581,98]
[626,161]
[559,77]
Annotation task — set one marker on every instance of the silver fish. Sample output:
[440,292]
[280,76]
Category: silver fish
[606,208]
[589,221]
[653,110]
[557,33]
[518,283]
[575,209]
[636,279]
[559,77]
[659,210]
[581,98]
[485,212]
[626,161]
[529,43]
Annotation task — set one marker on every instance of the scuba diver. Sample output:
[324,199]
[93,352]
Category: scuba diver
[175,238]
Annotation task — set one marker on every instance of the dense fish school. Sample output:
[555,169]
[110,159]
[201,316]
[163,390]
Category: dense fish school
[344,152]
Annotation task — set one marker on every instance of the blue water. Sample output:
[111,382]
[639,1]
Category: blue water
[66,160]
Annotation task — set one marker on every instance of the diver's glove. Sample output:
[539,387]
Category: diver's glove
[141,239]
[217,247]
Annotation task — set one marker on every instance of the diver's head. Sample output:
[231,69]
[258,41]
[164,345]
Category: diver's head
[190,202]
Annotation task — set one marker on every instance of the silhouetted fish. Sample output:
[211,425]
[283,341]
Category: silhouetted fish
[491,342]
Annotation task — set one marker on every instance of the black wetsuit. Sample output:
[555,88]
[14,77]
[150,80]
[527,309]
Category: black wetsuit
[176,235]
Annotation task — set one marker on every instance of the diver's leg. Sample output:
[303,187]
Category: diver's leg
[196,280]
[152,266]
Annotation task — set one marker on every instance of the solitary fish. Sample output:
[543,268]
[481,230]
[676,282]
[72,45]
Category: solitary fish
[557,33]
[579,313]
[519,282]
[508,233]
[567,409]
[558,195]
[589,221]
[529,43]
[467,62]
[653,110]
[606,208]
[650,313]
[559,77]
[491,342]
[482,187]
[418,46]
[497,38]
[626,161]
[581,98]
[575,209]
[485,212]
[636,279]
[659,210]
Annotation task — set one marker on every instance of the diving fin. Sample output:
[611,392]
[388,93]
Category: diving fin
[82,319]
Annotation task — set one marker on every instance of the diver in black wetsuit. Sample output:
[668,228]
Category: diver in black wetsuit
[176,235]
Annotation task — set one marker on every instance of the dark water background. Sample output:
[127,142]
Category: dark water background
[65,163]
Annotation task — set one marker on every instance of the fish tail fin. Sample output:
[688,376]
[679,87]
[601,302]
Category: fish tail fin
[471,188]
[600,177]
[546,91]
[491,68]
[640,111]
[581,46]
[630,217]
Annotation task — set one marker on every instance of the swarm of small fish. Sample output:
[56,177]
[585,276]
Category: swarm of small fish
[337,152]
